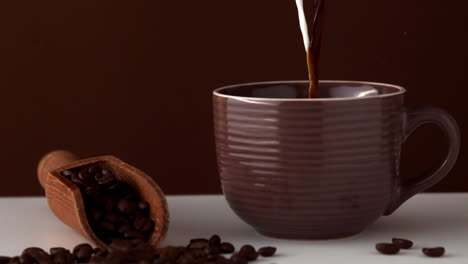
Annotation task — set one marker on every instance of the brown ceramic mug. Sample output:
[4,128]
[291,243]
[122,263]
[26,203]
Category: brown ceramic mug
[294,167]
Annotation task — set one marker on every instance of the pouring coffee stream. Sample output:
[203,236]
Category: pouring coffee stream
[312,44]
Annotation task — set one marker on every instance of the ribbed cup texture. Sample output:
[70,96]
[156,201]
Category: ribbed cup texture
[308,169]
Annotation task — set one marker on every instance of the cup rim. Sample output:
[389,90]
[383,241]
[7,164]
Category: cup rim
[401,90]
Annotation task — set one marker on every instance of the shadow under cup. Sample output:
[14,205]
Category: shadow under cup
[295,167]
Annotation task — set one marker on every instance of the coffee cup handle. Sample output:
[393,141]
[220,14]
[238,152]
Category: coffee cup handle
[414,118]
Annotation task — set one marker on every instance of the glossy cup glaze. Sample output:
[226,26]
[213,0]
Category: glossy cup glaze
[294,167]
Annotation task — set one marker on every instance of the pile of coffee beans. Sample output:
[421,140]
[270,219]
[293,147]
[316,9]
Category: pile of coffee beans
[400,243]
[114,208]
[198,251]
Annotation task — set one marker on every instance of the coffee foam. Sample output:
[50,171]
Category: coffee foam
[303,23]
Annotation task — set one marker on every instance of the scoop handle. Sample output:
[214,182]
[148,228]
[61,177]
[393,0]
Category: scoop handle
[52,161]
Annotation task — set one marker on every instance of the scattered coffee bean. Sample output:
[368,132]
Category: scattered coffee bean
[267,251]
[56,250]
[434,252]
[248,252]
[198,243]
[402,243]
[63,257]
[34,254]
[4,260]
[387,248]
[15,260]
[238,259]
[114,208]
[226,248]
[214,240]
[83,252]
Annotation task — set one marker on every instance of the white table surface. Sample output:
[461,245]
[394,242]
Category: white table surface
[427,219]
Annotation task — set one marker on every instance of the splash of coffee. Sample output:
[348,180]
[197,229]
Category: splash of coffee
[312,41]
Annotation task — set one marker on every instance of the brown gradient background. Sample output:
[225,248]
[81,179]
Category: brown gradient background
[134,78]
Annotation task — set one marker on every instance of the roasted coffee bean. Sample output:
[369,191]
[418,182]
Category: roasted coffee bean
[171,252]
[143,205]
[119,244]
[110,204]
[140,222]
[200,243]
[148,227]
[387,248]
[120,188]
[91,189]
[107,172]
[83,252]
[127,206]
[212,250]
[67,173]
[111,217]
[195,252]
[238,259]
[214,240]
[402,243]
[267,251]
[133,234]
[104,179]
[56,250]
[15,260]
[96,215]
[107,226]
[35,252]
[434,252]
[125,228]
[63,257]
[226,248]
[4,260]
[27,259]
[94,169]
[248,252]
[84,175]
[98,260]
[222,260]
[138,242]
[75,179]
[216,259]
[100,252]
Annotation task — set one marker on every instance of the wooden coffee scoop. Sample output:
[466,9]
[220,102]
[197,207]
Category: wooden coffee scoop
[66,202]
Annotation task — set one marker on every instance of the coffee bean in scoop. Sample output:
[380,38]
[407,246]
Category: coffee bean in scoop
[402,243]
[114,208]
[434,252]
[387,248]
